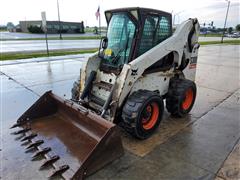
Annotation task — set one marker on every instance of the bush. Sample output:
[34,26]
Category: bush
[35,29]
[78,30]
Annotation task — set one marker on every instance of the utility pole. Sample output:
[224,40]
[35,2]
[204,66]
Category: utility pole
[44,28]
[59,22]
[225,21]
[100,25]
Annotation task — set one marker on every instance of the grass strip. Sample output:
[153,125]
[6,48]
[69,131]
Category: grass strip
[210,35]
[232,42]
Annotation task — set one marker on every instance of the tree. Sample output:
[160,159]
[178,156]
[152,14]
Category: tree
[238,27]
[35,29]
[229,30]
[95,30]
[10,24]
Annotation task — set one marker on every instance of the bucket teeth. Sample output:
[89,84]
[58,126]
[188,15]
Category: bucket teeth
[42,152]
[35,144]
[25,143]
[29,137]
[49,161]
[19,137]
[59,171]
[21,131]
[15,125]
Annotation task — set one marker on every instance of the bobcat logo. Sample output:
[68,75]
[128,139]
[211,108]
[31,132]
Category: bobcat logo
[134,72]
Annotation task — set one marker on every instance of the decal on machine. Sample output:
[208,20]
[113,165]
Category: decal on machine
[193,63]
[134,72]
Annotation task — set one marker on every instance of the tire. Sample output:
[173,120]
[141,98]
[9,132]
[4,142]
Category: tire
[181,97]
[76,90]
[142,113]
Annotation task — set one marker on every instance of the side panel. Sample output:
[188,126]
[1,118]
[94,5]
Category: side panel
[158,81]
[190,71]
[92,64]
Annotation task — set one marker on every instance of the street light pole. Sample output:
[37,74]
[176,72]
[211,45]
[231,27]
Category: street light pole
[59,22]
[225,21]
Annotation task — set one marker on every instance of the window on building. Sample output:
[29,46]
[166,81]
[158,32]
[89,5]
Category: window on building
[56,26]
[65,27]
[49,26]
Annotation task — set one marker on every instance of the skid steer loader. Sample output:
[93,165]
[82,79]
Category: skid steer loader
[139,64]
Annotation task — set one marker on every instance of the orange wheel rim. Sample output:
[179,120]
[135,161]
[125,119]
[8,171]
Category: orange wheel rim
[153,114]
[188,99]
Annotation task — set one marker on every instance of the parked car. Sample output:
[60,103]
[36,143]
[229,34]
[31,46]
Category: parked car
[235,35]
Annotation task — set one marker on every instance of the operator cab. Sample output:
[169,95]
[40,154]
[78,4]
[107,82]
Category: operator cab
[132,32]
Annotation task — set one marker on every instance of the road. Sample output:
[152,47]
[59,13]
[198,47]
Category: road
[16,35]
[194,147]
[40,45]
[205,39]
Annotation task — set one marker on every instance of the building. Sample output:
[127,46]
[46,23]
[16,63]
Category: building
[52,26]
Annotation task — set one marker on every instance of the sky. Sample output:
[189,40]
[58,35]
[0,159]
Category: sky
[84,10]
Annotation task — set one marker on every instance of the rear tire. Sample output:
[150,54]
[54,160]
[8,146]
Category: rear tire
[76,90]
[181,97]
[142,113]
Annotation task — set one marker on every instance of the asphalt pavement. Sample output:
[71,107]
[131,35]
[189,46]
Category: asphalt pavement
[194,147]
[40,45]
[17,35]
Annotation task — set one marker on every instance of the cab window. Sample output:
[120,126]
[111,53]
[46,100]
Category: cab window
[156,29]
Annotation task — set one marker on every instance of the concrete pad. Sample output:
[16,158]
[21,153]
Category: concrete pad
[219,69]
[61,88]
[229,52]
[76,57]
[209,140]
[33,74]
[218,77]
[2,63]
[170,125]
[117,166]
[165,166]
[206,100]
[13,101]
[168,128]
[7,84]
[231,167]
[232,102]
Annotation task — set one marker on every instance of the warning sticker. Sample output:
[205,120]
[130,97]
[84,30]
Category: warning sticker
[193,63]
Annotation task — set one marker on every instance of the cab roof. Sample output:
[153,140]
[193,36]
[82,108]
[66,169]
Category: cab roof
[140,11]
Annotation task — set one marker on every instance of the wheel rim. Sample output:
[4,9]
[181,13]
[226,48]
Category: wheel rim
[188,99]
[150,115]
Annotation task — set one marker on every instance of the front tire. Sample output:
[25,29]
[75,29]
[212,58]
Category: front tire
[142,113]
[181,97]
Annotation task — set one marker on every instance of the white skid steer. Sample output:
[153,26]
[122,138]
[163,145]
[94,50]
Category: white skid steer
[140,63]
